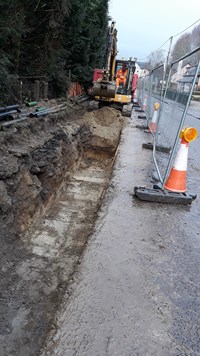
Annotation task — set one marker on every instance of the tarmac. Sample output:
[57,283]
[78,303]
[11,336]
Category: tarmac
[136,290]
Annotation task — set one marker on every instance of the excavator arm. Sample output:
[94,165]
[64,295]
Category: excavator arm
[105,86]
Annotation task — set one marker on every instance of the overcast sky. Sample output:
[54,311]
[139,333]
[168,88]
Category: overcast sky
[144,25]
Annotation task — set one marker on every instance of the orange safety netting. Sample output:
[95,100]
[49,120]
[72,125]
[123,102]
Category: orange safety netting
[75,89]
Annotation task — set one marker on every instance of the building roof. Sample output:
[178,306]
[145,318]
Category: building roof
[144,65]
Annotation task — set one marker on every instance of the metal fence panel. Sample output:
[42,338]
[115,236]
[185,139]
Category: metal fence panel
[172,88]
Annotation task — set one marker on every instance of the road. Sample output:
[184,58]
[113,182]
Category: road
[137,289]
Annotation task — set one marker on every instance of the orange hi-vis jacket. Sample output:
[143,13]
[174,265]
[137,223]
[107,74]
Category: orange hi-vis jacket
[121,76]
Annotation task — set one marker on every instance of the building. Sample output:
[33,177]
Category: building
[142,69]
[186,81]
[179,72]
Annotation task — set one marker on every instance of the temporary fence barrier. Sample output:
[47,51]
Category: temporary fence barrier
[31,88]
[75,89]
[171,87]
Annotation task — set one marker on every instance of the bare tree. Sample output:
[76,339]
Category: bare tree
[181,47]
[195,43]
[156,58]
[195,37]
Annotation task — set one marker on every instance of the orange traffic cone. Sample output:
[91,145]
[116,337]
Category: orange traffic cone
[135,96]
[144,106]
[153,122]
[176,181]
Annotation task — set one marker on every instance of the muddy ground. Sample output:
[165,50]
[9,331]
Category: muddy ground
[136,291]
[54,172]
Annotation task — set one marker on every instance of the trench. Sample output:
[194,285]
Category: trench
[51,195]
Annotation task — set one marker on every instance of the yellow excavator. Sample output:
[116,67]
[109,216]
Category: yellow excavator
[105,90]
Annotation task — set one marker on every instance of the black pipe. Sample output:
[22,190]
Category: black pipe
[3,115]
[10,107]
[13,122]
[43,112]
[46,112]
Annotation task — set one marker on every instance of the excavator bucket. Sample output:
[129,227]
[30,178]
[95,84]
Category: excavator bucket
[106,90]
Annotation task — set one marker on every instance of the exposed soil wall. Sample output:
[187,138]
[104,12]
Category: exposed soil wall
[35,158]
[44,163]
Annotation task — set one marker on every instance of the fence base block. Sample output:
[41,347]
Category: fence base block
[159,148]
[139,110]
[142,127]
[162,196]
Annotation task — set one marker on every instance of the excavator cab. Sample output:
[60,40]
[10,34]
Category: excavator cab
[126,69]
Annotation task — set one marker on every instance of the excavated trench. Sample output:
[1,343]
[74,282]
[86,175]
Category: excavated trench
[53,176]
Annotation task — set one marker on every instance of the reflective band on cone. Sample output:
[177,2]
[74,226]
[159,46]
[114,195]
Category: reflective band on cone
[176,181]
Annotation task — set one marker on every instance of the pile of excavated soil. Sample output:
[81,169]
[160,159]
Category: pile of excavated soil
[53,174]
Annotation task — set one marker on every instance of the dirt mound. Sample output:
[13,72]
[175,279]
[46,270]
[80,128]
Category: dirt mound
[105,126]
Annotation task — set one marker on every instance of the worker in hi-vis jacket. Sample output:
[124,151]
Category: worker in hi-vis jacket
[121,75]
